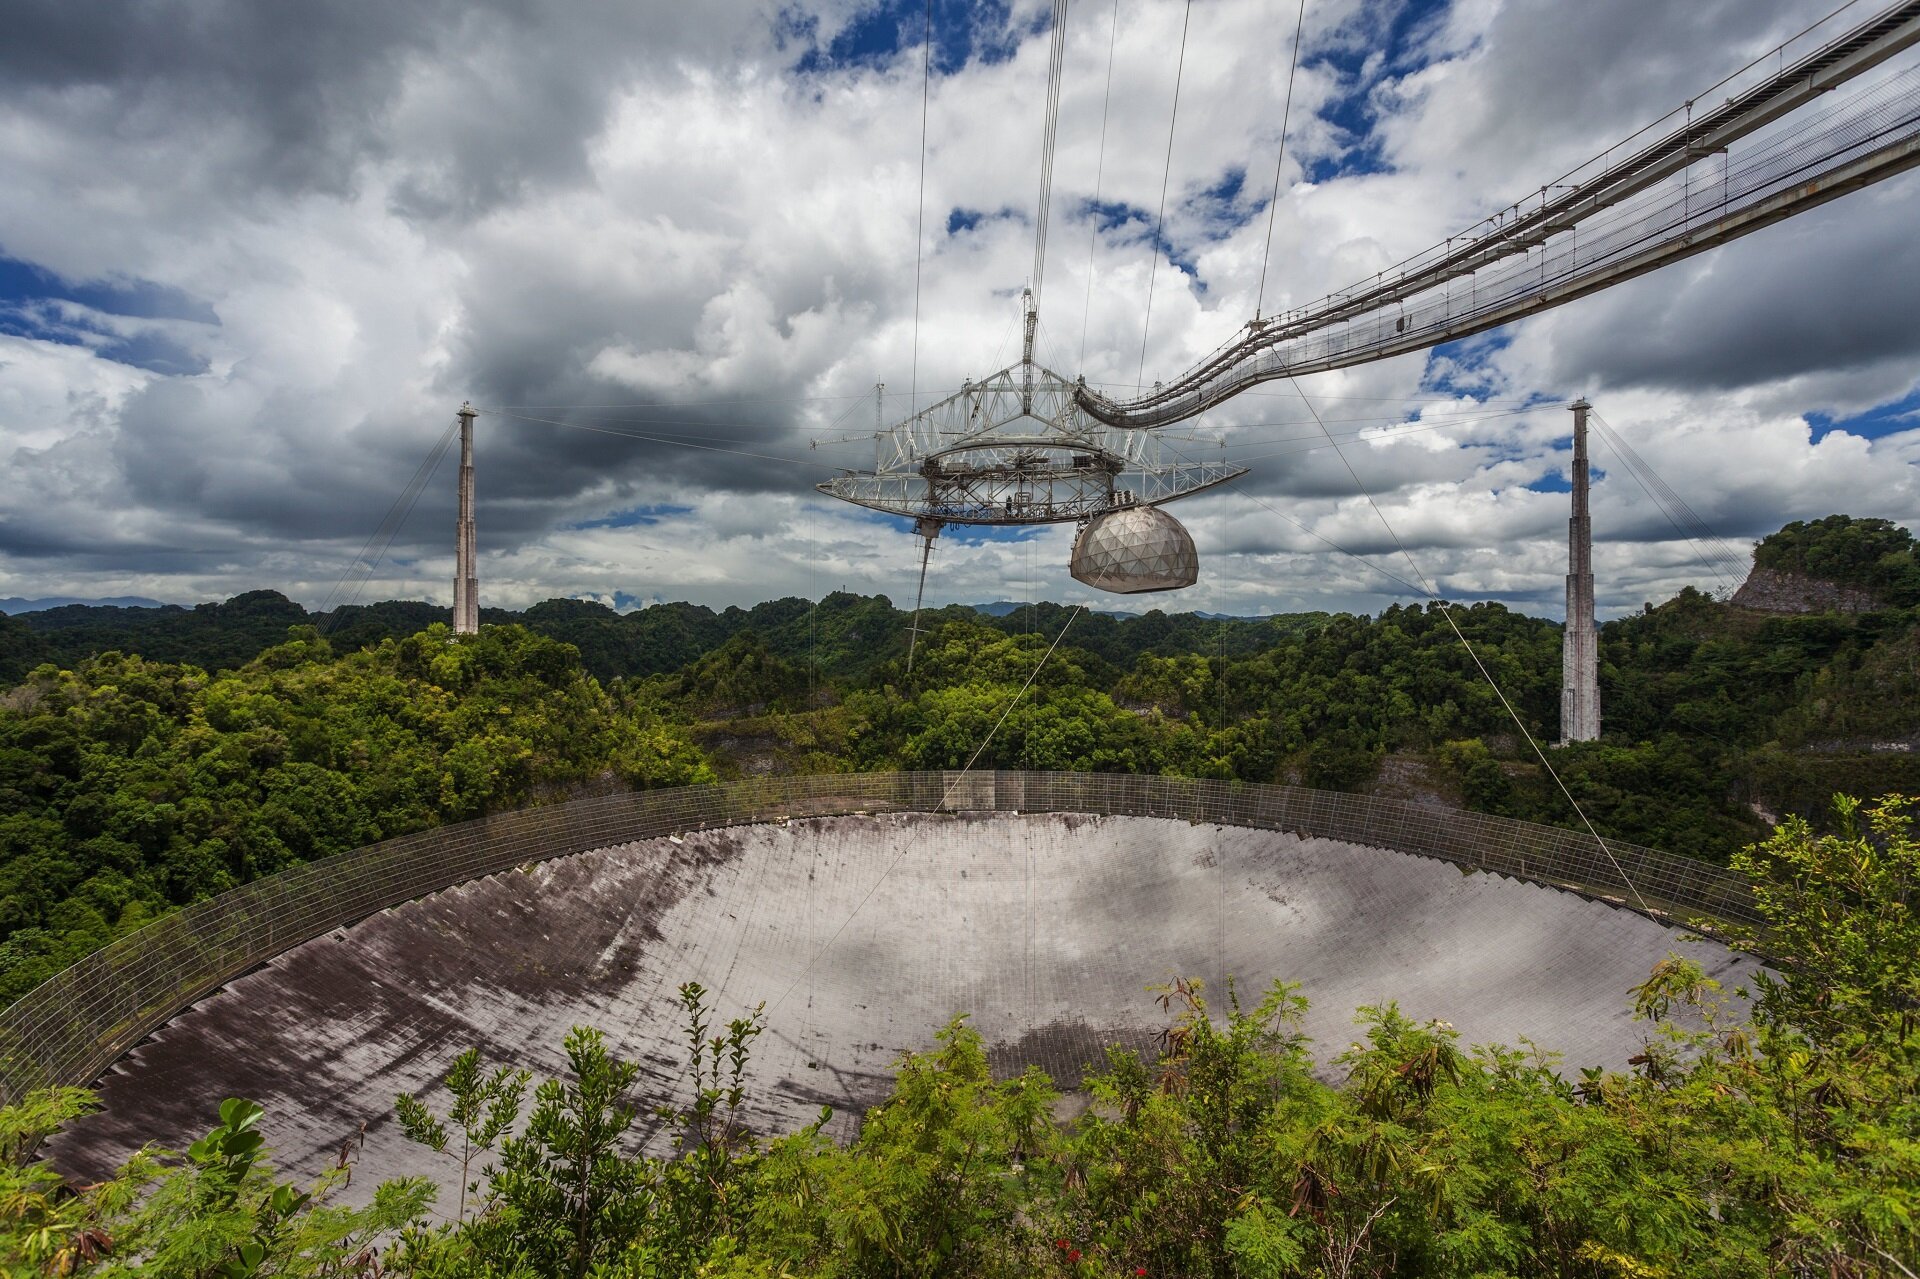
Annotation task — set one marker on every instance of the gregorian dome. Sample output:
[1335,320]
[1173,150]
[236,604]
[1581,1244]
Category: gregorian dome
[1134,550]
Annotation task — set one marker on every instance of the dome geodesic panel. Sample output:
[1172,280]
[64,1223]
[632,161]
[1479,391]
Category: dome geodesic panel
[1140,548]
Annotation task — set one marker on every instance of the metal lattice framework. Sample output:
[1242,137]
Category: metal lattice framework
[72,1027]
[1016,448]
[1792,133]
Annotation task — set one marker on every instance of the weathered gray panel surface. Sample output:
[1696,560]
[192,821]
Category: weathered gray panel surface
[1046,929]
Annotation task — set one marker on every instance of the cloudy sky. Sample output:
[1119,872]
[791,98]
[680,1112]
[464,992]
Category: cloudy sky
[253,257]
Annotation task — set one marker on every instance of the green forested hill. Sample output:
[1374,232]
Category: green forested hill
[128,786]
[1876,555]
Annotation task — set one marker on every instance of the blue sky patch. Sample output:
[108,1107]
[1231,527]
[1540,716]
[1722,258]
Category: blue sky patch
[1887,419]
[962,220]
[1394,30]
[1111,215]
[135,299]
[635,516]
[1138,224]
[36,303]
[1221,207]
[1458,367]
[963,32]
[1556,481]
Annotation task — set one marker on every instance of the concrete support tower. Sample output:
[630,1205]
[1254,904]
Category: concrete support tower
[466,574]
[1580,640]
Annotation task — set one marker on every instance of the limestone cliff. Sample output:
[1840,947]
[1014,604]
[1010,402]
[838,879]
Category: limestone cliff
[1768,590]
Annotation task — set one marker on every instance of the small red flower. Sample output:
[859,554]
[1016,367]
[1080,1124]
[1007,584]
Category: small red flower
[1074,1255]
[1061,1244]
[1139,1270]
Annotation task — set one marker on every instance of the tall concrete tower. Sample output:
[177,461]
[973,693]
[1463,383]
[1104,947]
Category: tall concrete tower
[466,574]
[1580,641]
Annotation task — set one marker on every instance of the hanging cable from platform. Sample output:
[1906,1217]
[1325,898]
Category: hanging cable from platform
[920,216]
[1099,176]
[1050,130]
[1166,176]
[927,530]
[1280,163]
[1714,554]
[946,798]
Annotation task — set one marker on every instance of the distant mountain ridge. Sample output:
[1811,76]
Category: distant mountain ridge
[1006,608]
[15,604]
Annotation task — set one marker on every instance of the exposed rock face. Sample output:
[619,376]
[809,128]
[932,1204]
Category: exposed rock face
[1769,590]
[1416,781]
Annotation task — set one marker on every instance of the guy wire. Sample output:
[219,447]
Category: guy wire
[1160,222]
[381,540]
[920,216]
[1714,554]
[1446,611]
[1273,205]
[1099,175]
[1050,131]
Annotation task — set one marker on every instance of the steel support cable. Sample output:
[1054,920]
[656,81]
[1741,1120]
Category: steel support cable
[652,426]
[384,533]
[1099,177]
[1385,432]
[859,398]
[1166,176]
[1446,611]
[1583,270]
[1715,555]
[945,799]
[920,214]
[1670,500]
[1049,133]
[655,425]
[1735,118]
[1279,164]
[1522,233]
[1399,421]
